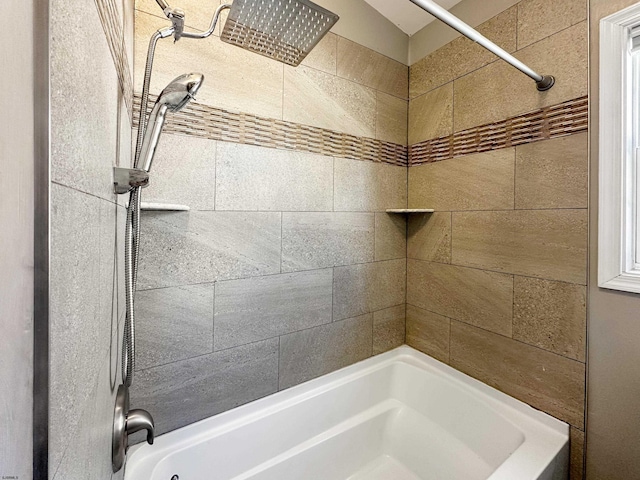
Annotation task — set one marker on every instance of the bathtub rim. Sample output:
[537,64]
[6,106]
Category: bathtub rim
[521,415]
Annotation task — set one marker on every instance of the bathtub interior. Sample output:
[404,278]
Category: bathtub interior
[397,421]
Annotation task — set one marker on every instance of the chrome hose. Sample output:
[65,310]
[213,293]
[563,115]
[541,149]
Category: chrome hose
[131,249]
[132,228]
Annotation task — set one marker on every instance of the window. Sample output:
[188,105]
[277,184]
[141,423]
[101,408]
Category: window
[619,156]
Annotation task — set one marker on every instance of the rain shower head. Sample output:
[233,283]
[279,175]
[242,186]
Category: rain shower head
[173,98]
[285,30]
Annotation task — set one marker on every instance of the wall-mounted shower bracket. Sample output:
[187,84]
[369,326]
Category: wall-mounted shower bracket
[126,179]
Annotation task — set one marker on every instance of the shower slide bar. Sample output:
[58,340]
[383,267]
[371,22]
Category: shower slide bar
[543,82]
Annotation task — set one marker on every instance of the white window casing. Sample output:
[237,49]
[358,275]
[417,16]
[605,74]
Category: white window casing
[619,176]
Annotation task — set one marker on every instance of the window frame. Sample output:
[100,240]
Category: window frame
[619,154]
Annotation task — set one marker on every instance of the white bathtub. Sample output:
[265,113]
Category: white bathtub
[397,416]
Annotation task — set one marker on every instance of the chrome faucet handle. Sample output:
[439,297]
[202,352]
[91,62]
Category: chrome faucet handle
[140,420]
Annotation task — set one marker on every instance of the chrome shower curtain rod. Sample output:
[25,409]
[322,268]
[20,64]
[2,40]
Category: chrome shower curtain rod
[543,82]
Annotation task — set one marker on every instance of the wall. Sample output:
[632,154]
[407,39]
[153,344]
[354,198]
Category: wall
[91,106]
[437,34]
[286,267]
[613,426]
[497,276]
[16,250]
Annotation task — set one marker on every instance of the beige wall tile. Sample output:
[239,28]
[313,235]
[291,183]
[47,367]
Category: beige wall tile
[429,237]
[324,55]
[546,381]
[260,178]
[431,115]
[235,79]
[549,244]
[428,332]
[388,329]
[367,67]
[499,91]
[553,173]
[312,97]
[481,298]
[576,471]
[198,13]
[184,172]
[538,19]
[551,315]
[367,186]
[391,119]
[482,181]
[462,56]
[391,236]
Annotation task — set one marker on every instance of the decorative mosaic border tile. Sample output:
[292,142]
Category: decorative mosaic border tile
[113,29]
[543,124]
[218,124]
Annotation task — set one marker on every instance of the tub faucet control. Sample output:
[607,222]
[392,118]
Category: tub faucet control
[125,423]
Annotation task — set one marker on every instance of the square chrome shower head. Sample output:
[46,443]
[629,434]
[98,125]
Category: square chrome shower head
[285,30]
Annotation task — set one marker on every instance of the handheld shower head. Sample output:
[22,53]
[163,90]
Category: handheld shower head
[180,91]
[173,98]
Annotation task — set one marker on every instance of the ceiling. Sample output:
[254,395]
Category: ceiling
[407,16]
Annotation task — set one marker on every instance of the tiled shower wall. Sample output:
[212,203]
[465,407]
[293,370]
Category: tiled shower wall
[286,267]
[496,277]
[91,107]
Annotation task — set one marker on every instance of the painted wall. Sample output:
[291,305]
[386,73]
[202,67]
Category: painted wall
[286,267]
[613,420]
[496,278]
[16,250]
[91,105]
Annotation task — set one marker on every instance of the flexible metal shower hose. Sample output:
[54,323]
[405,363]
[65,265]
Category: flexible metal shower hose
[132,229]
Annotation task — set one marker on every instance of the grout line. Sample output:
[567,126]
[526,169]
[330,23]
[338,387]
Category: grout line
[216,154]
[279,355]
[93,195]
[281,241]
[213,333]
[491,332]
[293,272]
[496,60]
[498,272]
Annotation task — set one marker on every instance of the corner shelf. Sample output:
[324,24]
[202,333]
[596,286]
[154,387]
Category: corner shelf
[163,207]
[410,210]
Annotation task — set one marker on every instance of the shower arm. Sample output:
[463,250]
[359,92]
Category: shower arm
[212,27]
[543,82]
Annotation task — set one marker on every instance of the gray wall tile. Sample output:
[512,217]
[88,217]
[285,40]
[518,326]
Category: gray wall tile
[365,288]
[184,172]
[201,247]
[263,307]
[78,335]
[310,353]
[258,178]
[173,324]
[319,240]
[366,186]
[84,121]
[87,456]
[388,328]
[188,391]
